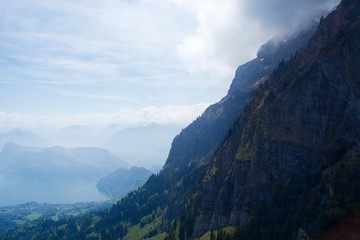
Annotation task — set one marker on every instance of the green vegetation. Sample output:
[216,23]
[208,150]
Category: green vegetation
[136,232]
[226,233]
[243,154]
[12,216]
[33,216]
[159,237]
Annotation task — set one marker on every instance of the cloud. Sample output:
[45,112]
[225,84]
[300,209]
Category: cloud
[221,41]
[83,40]
[287,16]
[169,114]
[230,32]
[113,54]
[103,54]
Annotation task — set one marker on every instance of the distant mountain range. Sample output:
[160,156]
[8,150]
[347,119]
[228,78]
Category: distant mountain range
[35,166]
[54,174]
[144,146]
[76,136]
[62,169]
[58,161]
[23,138]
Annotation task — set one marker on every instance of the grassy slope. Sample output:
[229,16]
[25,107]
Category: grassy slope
[228,230]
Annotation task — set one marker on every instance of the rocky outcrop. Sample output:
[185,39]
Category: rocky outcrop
[193,148]
[299,122]
[195,144]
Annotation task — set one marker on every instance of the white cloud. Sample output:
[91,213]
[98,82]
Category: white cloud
[222,40]
[97,55]
[286,16]
[169,114]
[230,32]
[89,39]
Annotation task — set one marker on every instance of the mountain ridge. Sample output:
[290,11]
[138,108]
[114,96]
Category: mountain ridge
[59,159]
[220,116]
[21,137]
[299,122]
[192,149]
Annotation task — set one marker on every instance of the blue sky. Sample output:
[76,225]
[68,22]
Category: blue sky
[119,61]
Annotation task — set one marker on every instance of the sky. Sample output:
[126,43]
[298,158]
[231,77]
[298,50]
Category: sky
[131,61]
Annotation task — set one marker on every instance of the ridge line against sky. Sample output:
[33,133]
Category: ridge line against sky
[65,59]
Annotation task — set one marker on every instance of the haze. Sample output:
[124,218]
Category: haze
[125,76]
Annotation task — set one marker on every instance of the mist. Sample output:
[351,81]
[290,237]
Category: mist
[229,33]
[284,17]
[146,92]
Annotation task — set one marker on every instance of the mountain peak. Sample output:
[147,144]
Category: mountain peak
[23,138]
[10,147]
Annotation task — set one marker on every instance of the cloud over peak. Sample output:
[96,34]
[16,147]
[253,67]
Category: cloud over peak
[79,56]
[230,32]
[287,16]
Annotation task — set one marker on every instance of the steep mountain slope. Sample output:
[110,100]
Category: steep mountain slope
[296,143]
[192,149]
[196,143]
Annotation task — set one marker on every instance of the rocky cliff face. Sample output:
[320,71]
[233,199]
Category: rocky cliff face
[196,143]
[303,121]
[193,148]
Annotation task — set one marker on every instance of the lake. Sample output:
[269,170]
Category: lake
[15,189]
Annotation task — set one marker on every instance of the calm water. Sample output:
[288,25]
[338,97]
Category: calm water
[17,190]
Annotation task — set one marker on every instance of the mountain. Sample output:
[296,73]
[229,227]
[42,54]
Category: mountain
[144,145]
[192,150]
[58,161]
[76,136]
[117,184]
[293,154]
[196,143]
[190,155]
[277,158]
[24,138]
[53,175]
